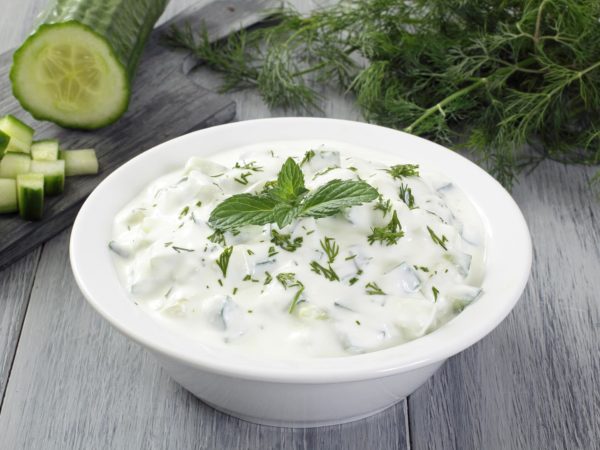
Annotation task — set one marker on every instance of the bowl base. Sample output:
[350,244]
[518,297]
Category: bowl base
[299,424]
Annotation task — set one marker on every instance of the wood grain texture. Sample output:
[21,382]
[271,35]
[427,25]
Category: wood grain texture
[77,383]
[15,287]
[533,383]
[164,105]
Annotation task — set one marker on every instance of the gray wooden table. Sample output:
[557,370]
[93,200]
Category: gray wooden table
[69,381]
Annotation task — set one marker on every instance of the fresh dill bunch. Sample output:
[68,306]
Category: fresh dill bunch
[513,81]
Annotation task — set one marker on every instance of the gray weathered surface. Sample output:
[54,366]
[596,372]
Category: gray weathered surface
[15,288]
[164,105]
[531,384]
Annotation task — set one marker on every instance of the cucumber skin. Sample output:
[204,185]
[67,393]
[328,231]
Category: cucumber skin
[31,201]
[4,138]
[111,21]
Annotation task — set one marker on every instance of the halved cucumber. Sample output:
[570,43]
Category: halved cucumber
[45,150]
[20,134]
[8,195]
[14,164]
[79,162]
[30,195]
[54,175]
[76,68]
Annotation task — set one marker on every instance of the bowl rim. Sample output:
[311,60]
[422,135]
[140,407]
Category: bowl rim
[509,248]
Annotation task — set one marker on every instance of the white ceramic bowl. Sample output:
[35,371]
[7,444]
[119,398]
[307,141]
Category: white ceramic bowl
[320,391]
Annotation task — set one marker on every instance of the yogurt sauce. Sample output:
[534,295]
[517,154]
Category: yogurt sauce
[316,288]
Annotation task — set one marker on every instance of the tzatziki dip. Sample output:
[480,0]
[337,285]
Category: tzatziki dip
[301,250]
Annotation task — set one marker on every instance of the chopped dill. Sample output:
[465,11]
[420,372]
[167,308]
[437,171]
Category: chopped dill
[435,238]
[400,171]
[223,260]
[331,249]
[285,241]
[373,289]
[326,272]
[388,235]
[407,196]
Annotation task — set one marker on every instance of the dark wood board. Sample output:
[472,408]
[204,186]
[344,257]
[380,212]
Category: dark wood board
[166,102]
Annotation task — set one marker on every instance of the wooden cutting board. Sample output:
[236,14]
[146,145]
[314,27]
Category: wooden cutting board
[166,102]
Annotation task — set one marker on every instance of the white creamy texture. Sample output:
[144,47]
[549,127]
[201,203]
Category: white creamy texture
[386,294]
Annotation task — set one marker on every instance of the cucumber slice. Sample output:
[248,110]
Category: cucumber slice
[20,134]
[14,164]
[77,67]
[54,175]
[30,195]
[45,150]
[4,138]
[79,162]
[8,195]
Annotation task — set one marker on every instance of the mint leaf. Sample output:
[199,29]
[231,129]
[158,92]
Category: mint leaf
[284,214]
[242,209]
[290,182]
[336,195]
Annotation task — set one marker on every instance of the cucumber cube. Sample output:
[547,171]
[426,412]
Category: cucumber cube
[8,195]
[54,175]
[30,195]
[79,162]
[20,134]
[45,150]
[14,164]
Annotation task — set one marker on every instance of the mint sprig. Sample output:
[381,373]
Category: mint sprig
[287,199]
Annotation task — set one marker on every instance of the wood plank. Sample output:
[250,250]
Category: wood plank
[15,287]
[164,104]
[533,383]
[77,383]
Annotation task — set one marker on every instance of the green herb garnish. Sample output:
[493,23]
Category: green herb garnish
[435,293]
[268,278]
[384,206]
[373,289]
[407,196]
[288,199]
[330,248]
[435,238]
[285,241]
[218,237]
[248,166]
[182,249]
[184,212]
[388,235]
[307,157]
[327,272]
[288,280]
[243,178]
[223,260]
[400,171]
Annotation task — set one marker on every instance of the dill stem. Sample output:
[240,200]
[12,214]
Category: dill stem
[438,107]
[538,22]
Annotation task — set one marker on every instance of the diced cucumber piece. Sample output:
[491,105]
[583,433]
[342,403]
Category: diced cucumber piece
[20,134]
[76,68]
[30,195]
[45,150]
[14,164]
[8,195]
[79,162]
[54,175]
[4,138]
